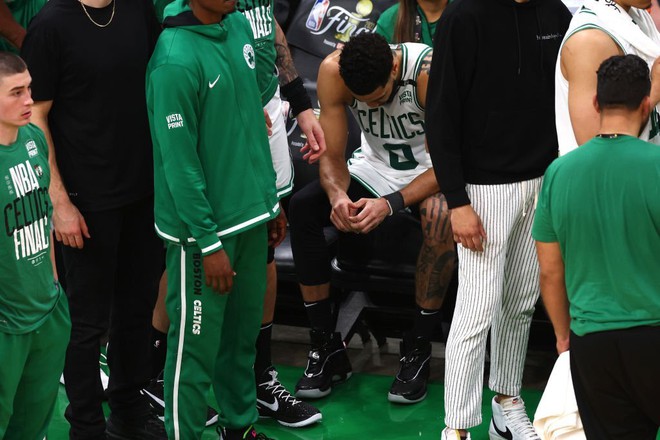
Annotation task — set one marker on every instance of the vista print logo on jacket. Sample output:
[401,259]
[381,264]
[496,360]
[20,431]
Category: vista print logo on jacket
[174,121]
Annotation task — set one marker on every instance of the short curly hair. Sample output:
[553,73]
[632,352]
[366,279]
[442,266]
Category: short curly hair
[365,63]
[623,82]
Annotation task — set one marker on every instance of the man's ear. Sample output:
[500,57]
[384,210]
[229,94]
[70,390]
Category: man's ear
[395,67]
[595,102]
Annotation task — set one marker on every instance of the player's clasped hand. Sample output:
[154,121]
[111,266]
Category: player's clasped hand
[369,214]
[341,213]
[218,271]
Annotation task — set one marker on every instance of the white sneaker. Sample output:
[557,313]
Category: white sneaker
[454,434]
[510,421]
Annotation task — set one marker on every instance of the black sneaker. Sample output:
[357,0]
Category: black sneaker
[274,401]
[242,434]
[150,429]
[155,394]
[409,384]
[327,364]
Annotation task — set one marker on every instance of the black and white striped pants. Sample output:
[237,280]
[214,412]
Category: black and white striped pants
[497,290]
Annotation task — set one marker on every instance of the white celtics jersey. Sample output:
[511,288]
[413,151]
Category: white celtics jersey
[393,151]
[626,29]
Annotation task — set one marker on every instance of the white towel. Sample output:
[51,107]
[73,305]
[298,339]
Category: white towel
[557,416]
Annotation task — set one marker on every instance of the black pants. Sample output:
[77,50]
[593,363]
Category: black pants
[112,284]
[309,213]
[616,376]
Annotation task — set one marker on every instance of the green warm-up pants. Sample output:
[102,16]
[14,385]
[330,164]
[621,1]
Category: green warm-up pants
[211,340]
[30,369]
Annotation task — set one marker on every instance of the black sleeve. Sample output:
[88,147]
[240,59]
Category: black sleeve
[41,53]
[452,70]
[153,26]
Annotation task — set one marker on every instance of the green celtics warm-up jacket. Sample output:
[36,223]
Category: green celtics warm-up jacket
[213,171]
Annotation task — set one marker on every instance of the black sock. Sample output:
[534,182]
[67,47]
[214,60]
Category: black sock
[425,322]
[320,315]
[263,360]
[158,351]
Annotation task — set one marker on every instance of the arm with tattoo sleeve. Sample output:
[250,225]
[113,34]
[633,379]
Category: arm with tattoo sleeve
[294,90]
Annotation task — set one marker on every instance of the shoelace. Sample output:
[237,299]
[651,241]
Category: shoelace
[410,357]
[517,419]
[278,389]
[407,361]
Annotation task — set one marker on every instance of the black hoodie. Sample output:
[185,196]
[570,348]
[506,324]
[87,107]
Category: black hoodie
[490,103]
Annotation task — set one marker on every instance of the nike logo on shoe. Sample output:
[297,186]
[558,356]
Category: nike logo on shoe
[212,84]
[504,434]
[271,406]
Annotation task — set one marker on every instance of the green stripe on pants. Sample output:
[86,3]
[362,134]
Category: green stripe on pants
[211,340]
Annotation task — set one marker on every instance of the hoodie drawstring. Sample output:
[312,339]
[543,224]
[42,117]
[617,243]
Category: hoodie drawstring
[538,23]
[515,13]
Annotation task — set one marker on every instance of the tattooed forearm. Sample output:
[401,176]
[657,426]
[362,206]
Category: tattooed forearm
[284,62]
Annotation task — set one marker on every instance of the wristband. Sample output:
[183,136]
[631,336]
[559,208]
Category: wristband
[395,201]
[296,94]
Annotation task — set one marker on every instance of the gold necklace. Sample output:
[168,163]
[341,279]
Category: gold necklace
[92,20]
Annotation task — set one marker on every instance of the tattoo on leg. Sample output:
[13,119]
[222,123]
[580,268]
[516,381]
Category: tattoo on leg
[437,258]
[434,272]
[435,219]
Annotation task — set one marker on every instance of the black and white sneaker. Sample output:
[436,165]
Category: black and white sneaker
[510,421]
[409,384]
[242,434]
[274,401]
[327,364]
[155,394]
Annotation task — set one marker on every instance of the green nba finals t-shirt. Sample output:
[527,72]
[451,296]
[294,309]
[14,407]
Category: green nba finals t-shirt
[22,11]
[260,15]
[28,291]
[601,203]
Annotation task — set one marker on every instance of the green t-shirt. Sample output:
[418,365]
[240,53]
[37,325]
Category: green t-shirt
[22,11]
[387,22]
[28,291]
[601,202]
